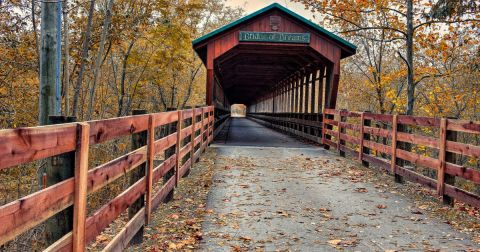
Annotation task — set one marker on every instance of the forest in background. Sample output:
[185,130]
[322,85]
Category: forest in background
[117,56]
[441,78]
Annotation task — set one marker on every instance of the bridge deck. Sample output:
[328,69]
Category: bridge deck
[245,132]
[304,198]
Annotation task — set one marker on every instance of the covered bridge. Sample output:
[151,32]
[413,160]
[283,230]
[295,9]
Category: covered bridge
[273,61]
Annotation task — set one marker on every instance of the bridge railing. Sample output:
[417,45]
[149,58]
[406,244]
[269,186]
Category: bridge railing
[192,132]
[306,125]
[439,153]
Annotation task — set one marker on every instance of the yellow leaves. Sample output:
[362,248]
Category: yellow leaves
[122,146]
[335,242]
[391,94]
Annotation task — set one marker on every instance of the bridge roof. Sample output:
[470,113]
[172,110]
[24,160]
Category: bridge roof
[303,20]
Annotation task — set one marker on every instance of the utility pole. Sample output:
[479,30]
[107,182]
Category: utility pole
[58,168]
[48,58]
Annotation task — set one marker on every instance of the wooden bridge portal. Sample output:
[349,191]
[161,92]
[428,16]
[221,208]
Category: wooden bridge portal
[273,61]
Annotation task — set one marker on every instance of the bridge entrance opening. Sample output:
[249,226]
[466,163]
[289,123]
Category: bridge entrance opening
[283,67]
[238,110]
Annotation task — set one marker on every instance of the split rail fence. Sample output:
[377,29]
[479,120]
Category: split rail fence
[24,145]
[397,144]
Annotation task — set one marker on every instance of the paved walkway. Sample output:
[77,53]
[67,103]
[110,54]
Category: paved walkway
[303,198]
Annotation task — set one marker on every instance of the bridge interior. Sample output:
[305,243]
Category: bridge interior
[247,132]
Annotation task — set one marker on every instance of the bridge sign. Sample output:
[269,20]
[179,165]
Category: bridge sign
[275,37]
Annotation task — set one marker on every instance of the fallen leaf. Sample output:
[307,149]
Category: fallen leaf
[381,206]
[361,190]
[335,242]
[102,238]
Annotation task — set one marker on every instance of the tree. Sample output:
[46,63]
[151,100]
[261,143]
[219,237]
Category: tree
[84,53]
[401,20]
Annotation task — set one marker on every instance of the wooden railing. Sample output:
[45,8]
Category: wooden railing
[396,143]
[306,125]
[24,145]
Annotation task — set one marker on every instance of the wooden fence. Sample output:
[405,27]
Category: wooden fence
[306,125]
[24,145]
[391,142]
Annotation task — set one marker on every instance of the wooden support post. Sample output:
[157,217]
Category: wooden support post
[329,127]
[192,139]
[213,123]
[341,130]
[150,160]
[178,147]
[208,126]
[169,129]
[306,97]
[399,162]
[320,89]
[445,156]
[138,140]
[292,94]
[295,94]
[80,193]
[58,169]
[313,90]
[393,162]
[366,136]
[441,156]
[202,131]
[300,105]
[362,132]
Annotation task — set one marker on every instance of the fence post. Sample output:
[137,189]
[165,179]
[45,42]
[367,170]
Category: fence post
[404,146]
[138,140]
[362,131]
[211,126]
[366,136]
[330,127]
[341,130]
[441,156]
[202,131]
[323,129]
[150,160]
[80,193]
[178,147]
[445,156]
[170,129]
[393,163]
[58,169]
[192,137]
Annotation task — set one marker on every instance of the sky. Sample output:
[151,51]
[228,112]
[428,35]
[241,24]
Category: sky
[253,5]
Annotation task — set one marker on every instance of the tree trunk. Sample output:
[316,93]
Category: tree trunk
[98,61]
[86,43]
[66,59]
[34,25]
[410,66]
[122,81]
